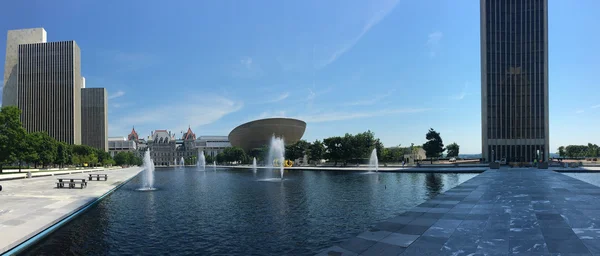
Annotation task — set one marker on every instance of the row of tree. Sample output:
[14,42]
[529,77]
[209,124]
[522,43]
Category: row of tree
[350,148]
[575,151]
[18,147]
[127,158]
[355,149]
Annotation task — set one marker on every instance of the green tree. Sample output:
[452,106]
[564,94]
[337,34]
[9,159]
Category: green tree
[234,154]
[393,154]
[573,151]
[86,154]
[45,147]
[104,157]
[122,158]
[453,149]
[561,151]
[334,150]
[258,153]
[63,154]
[350,149]
[11,135]
[316,151]
[76,160]
[137,160]
[380,150]
[28,150]
[209,159]
[434,147]
[364,143]
[220,158]
[296,150]
[134,159]
[92,159]
[592,150]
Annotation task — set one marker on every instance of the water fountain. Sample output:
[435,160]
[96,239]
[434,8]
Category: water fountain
[201,164]
[373,162]
[277,152]
[182,161]
[148,177]
[254,165]
[175,162]
[215,165]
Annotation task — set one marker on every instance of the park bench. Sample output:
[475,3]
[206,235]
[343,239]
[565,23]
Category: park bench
[71,182]
[98,176]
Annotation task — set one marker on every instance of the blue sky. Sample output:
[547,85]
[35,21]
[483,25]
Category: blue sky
[394,67]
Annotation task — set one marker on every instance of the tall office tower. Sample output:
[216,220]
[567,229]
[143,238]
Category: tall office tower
[514,80]
[94,118]
[13,39]
[49,89]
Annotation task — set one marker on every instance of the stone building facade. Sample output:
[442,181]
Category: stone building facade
[166,149]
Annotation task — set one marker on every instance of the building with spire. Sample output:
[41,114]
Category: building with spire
[133,135]
[166,149]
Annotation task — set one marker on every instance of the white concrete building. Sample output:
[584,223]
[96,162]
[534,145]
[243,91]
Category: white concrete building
[14,38]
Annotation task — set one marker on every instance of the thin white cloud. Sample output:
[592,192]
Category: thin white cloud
[433,42]
[247,68]
[596,106]
[579,111]
[462,94]
[117,105]
[129,61]
[339,116]
[268,114]
[279,98]
[371,101]
[386,7]
[311,95]
[188,111]
[117,94]
[246,62]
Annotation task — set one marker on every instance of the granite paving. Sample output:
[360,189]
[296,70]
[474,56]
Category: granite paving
[512,211]
[29,206]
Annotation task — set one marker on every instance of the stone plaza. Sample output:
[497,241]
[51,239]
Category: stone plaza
[499,212]
[30,206]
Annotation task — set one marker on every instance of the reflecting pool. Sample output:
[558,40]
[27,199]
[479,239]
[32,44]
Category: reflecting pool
[592,178]
[239,212]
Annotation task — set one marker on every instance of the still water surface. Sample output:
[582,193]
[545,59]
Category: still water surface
[237,212]
[592,178]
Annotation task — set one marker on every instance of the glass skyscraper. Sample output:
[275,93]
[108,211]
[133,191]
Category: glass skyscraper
[514,80]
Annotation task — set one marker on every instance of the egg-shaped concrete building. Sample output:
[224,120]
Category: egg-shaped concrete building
[257,133]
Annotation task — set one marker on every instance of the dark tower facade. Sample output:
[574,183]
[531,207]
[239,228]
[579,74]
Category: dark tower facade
[49,89]
[94,118]
[514,80]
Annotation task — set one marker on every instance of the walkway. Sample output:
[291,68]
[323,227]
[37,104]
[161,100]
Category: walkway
[29,206]
[499,212]
[15,174]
